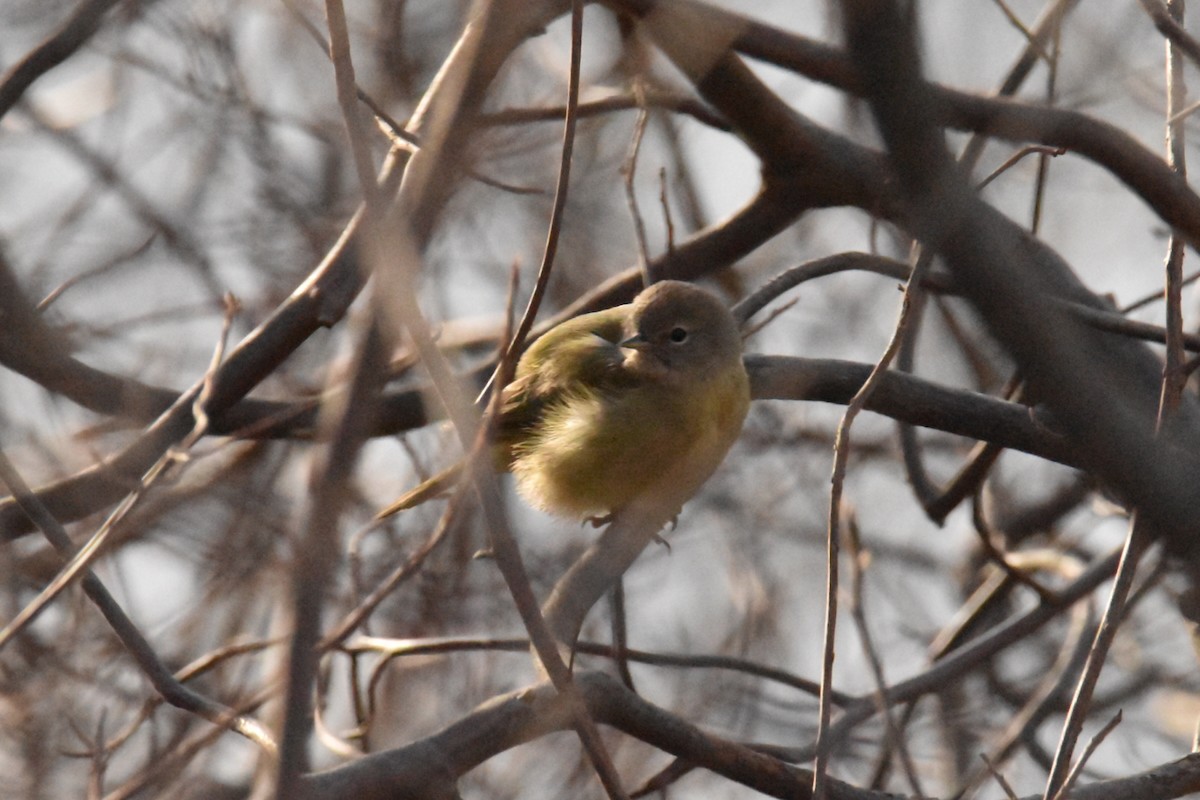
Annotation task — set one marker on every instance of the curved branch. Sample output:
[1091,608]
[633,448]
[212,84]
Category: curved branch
[430,767]
[914,400]
[1141,169]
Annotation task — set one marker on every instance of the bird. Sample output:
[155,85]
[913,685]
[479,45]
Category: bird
[636,403]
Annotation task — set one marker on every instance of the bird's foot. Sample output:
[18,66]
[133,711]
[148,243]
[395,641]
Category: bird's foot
[674,523]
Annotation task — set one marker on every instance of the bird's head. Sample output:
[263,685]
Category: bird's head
[681,331]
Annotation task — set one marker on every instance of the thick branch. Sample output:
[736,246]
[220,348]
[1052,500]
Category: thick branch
[429,768]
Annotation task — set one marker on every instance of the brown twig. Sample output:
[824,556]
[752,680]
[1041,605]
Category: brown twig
[1043,700]
[396,648]
[1000,779]
[1015,158]
[629,172]
[433,764]
[998,557]
[420,198]
[517,343]
[179,755]
[841,455]
[1120,153]
[398,575]
[655,98]
[973,654]
[1139,536]
[1043,160]
[1174,377]
[195,668]
[347,97]
[1031,38]
[939,503]
[859,560]
[1170,25]
[1092,744]
[344,431]
[664,200]
[346,421]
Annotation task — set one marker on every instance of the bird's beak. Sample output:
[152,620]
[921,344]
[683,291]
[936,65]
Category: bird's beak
[636,342]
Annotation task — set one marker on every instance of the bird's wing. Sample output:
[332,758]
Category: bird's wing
[582,355]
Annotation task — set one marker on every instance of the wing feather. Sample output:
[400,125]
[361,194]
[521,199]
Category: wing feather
[582,355]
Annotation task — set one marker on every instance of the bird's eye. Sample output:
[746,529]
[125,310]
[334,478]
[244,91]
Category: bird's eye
[678,335]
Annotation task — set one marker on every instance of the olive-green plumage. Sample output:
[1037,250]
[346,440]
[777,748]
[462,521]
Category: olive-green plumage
[638,401]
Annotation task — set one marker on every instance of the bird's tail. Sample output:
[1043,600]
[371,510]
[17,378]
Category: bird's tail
[426,490]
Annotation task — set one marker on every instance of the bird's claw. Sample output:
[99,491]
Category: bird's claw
[602,520]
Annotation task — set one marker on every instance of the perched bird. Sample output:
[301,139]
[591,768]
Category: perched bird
[641,401]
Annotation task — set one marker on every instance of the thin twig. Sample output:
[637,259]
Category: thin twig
[859,559]
[396,648]
[938,503]
[1047,696]
[345,419]
[405,315]
[197,667]
[115,262]
[1171,27]
[1011,161]
[620,634]
[517,343]
[400,136]
[652,97]
[561,189]
[1174,377]
[1030,38]
[1136,544]
[628,172]
[1155,296]
[1077,770]
[1139,538]
[972,655]
[398,575]
[344,431]
[995,773]
[176,758]
[347,97]
[841,454]
[999,557]
[1043,162]
[664,200]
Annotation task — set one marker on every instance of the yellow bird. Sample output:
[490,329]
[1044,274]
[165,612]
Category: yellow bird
[637,402]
